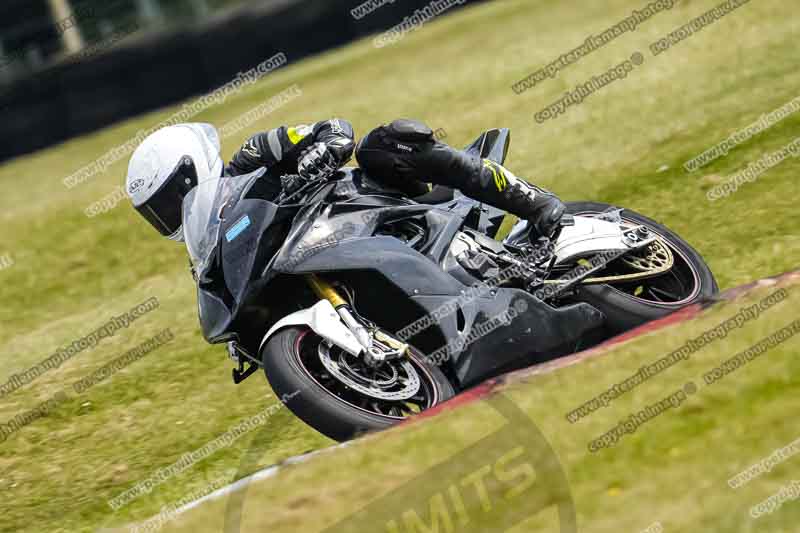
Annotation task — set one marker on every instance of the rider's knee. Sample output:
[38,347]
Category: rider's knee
[394,153]
[391,148]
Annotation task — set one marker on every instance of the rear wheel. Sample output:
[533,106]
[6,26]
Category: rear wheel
[342,397]
[628,304]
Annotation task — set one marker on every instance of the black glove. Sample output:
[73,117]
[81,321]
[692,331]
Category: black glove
[317,162]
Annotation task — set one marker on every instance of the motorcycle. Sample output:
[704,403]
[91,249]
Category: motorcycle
[367,307]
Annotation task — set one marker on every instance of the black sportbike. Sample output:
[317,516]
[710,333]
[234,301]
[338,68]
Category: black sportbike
[366,306]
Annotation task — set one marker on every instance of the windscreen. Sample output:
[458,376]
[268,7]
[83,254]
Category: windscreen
[203,211]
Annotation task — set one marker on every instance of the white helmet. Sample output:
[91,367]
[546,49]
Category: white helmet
[166,166]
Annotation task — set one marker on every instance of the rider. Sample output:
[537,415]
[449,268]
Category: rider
[403,154]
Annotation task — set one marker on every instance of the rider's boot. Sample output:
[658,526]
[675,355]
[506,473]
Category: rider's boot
[492,183]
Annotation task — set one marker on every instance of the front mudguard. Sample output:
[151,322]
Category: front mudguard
[323,319]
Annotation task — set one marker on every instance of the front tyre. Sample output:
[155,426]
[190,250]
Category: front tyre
[339,395]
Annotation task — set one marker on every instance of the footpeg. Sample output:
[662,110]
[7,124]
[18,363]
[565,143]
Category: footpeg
[240,374]
[247,365]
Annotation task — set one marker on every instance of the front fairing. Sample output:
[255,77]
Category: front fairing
[342,209]
[253,241]
[231,234]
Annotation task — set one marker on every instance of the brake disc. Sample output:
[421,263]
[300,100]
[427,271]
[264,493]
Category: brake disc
[382,390]
[658,258]
[651,261]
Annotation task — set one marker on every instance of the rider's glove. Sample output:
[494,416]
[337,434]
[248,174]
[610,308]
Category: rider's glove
[317,162]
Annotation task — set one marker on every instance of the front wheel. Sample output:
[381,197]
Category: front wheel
[339,395]
[628,304]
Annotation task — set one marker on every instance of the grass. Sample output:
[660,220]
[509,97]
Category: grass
[71,273]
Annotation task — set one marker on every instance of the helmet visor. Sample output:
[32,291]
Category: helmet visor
[163,209]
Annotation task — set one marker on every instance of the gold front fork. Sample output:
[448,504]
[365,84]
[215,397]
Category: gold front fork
[325,290]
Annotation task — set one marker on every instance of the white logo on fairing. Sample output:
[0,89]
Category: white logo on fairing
[406,148]
[136,185]
[336,126]
[250,149]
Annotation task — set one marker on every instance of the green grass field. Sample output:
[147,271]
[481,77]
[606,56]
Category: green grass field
[624,145]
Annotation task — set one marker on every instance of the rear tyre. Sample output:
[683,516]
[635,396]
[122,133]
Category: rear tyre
[690,281]
[293,362]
